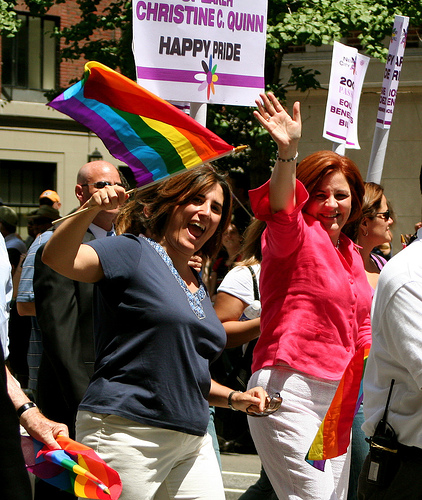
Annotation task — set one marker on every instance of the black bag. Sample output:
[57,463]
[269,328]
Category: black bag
[383,452]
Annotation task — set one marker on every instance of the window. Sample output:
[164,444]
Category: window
[29,58]
[22,182]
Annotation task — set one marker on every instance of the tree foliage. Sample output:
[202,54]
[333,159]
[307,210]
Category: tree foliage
[290,23]
[9,23]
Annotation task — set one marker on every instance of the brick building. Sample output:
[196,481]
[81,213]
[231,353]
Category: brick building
[40,148]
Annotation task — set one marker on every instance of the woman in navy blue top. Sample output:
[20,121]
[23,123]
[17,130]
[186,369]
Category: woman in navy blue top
[146,408]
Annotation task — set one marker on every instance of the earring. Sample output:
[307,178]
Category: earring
[365,233]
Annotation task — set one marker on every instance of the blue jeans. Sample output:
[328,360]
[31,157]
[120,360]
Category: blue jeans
[212,432]
[360,449]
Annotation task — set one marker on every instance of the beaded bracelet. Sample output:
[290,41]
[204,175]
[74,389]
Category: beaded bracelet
[25,407]
[293,158]
[229,401]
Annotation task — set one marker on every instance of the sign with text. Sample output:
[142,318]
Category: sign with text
[348,69]
[392,71]
[205,51]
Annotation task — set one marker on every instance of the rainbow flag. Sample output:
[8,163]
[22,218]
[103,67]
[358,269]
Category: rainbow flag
[75,468]
[333,436]
[154,138]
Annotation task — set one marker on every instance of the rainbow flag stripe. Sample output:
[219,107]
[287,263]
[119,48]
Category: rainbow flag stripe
[153,137]
[333,436]
[75,468]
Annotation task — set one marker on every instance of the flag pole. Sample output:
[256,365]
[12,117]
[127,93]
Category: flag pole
[379,148]
[131,191]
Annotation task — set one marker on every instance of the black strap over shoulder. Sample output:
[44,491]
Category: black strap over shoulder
[255,283]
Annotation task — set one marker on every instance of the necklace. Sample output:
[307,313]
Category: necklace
[338,244]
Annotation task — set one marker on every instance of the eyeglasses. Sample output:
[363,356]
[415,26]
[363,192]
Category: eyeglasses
[102,184]
[272,404]
[385,215]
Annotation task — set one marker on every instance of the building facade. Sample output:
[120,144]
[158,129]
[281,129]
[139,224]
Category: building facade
[41,148]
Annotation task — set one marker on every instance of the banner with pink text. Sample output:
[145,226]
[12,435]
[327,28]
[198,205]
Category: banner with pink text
[205,51]
[392,72]
[348,69]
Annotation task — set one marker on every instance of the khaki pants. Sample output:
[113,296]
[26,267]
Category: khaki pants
[153,463]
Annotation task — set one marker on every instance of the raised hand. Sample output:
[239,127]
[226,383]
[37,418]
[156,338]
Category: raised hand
[284,129]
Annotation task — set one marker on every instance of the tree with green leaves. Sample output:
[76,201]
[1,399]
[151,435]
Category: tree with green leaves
[290,23]
[9,23]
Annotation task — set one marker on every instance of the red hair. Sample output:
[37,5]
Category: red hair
[312,169]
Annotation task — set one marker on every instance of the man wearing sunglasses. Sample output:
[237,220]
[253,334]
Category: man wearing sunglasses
[64,313]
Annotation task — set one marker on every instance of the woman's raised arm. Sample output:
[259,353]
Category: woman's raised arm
[286,132]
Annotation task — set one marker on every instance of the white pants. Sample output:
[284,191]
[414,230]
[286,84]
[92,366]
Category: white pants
[153,463]
[283,439]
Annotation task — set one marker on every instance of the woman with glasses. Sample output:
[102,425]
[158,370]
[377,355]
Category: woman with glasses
[146,409]
[315,299]
[372,229]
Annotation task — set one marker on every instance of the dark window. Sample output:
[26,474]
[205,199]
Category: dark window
[22,182]
[29,58]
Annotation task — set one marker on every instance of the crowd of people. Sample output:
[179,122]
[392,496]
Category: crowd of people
[127,328]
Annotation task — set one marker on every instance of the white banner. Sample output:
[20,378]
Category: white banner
[387,100]
[348,69]
[392,71]
[206,51]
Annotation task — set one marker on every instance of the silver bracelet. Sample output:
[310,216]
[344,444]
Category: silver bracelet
[229,401]
[293,158]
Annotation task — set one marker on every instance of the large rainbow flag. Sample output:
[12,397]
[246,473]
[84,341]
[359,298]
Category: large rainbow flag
[153,137]
[75,468]
[333,436]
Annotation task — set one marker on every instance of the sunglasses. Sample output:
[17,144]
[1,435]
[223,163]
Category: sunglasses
[272,404]
[102,184]
[385,215]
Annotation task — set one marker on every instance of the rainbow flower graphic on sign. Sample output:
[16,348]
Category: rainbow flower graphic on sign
[393,35]
[208,77]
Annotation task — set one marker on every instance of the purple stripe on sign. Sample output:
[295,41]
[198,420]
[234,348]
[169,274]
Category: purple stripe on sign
[185,76]
[336,136]
[384,122]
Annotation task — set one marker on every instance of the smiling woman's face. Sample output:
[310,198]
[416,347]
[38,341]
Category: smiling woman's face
[193,223]
[331,203]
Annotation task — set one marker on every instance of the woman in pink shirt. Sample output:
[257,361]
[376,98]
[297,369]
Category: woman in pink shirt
[315,303]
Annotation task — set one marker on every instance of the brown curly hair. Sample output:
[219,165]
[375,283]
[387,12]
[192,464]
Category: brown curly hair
[159,201]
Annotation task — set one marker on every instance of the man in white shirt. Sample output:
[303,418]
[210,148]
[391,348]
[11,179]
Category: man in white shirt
[393,469]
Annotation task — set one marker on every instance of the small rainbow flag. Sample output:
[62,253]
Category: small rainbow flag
[153,137]
[75,468]
[333,436]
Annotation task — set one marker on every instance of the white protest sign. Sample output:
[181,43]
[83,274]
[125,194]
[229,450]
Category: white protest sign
[348,69]
[392,71]
[387,100]
[206,51]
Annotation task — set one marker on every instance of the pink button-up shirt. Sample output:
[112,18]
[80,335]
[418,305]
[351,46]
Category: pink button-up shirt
[316,300]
